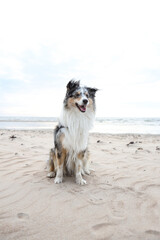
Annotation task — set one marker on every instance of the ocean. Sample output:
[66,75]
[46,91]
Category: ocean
[102,125]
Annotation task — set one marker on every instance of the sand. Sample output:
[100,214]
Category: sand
[120,201]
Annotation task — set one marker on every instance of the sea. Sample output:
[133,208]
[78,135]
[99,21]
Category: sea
[108,125]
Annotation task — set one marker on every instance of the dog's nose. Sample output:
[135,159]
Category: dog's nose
[85,101]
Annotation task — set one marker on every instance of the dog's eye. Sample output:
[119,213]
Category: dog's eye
[87,95]
[77,95]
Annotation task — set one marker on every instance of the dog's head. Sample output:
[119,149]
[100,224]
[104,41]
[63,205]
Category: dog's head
[79,97]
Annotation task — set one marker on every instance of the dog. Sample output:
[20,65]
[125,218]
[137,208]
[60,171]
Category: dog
[70,153]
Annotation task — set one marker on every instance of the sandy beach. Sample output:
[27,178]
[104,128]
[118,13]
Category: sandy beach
[120,201]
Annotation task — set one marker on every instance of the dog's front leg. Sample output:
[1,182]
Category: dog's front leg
[78,171]
[61,155]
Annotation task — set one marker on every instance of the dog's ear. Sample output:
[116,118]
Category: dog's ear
[92,91]
[72,85]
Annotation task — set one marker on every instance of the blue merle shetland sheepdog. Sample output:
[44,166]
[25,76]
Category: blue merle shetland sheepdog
[70,153]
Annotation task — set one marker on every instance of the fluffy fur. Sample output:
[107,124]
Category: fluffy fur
[70,154]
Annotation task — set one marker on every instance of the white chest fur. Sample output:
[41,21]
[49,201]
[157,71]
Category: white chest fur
[77,126]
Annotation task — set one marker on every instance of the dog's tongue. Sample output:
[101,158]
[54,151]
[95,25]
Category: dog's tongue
[83,108]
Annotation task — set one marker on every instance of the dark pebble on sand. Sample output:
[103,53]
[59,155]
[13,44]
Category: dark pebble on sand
[98,141]
[12,137]
[157,148]
[130,143]
[139,148]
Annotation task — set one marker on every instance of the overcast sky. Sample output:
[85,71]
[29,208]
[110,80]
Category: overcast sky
[111,45]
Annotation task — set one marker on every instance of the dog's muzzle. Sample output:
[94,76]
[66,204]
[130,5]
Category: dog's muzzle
[82,107]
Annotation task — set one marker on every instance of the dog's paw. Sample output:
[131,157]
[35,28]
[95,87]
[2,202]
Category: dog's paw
[58,180]
[81,181]
[87,171]
[51,175]
[82,172]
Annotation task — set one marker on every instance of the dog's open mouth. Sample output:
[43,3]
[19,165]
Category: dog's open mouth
[82,108]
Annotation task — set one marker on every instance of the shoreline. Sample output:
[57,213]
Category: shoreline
[90,133]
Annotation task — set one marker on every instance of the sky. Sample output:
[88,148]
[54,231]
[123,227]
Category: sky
[111,45]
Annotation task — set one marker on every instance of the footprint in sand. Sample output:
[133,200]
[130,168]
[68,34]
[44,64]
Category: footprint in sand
[103,230]
[97,197]
[154,232]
